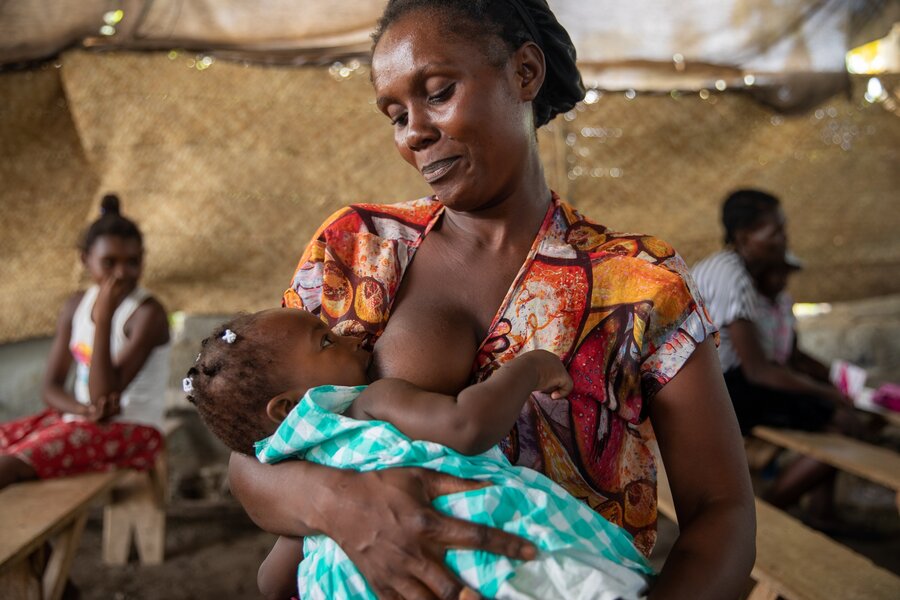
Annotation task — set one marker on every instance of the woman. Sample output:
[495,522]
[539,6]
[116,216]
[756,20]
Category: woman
[465,85]
[117,335]
[771,382]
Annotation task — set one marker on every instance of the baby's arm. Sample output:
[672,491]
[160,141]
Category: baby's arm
[476,419]
[277,575]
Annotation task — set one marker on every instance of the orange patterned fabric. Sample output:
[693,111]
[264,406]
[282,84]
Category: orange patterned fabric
[620,309]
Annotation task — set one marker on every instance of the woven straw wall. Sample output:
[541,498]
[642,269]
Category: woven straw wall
[229,169]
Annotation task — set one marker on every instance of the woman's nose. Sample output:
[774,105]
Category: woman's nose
[420,131]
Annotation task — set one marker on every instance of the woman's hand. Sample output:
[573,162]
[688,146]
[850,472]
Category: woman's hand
[386,524]
[553,378]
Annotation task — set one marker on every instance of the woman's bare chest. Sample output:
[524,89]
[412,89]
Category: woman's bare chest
[443,311]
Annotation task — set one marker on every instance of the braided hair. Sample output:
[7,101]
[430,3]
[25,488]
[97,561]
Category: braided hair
[515,22]
[743,209]
[231,383]
[110,222]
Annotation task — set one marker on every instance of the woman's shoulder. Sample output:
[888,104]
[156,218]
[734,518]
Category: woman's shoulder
[722,269]
[587,235]
[67,313]
[397,220]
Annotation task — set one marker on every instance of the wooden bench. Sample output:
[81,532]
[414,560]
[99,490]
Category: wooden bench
[798,563]
[137,511]
[879,465]
[36,513]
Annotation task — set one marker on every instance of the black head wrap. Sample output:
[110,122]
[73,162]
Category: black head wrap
[562,87]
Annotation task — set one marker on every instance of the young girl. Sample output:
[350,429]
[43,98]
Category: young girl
[117,335]
[281,382]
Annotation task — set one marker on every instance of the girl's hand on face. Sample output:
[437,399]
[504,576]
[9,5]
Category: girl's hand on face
[112,291]
[553,378]
[397,539]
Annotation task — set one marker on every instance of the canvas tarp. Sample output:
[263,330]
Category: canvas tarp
[797,47]
[229,170]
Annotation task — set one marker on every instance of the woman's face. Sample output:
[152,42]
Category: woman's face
[462,122]
[116,257]
[765,243]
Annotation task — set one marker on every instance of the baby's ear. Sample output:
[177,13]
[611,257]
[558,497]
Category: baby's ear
[277,408]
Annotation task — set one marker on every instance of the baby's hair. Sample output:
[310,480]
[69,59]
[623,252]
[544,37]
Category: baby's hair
[110,222]
[514,22]
[232,382]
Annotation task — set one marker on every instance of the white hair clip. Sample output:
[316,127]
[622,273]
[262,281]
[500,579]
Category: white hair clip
[187,385]
[229,336]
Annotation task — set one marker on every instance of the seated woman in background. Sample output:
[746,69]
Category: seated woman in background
[117,334]
[771,382]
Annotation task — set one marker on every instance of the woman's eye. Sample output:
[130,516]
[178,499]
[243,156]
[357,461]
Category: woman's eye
[399,120]
[443,94]
[327,341]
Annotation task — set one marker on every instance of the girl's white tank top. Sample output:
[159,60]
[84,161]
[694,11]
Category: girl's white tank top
[143,401]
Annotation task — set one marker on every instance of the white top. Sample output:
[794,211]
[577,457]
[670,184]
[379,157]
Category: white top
[730,295]
[775,325]
[143,401]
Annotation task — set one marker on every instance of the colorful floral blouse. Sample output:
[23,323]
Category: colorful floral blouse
[620,309]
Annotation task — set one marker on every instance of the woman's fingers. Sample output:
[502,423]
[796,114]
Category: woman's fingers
[441,484]
[455,533]
[439,579]
[411,589]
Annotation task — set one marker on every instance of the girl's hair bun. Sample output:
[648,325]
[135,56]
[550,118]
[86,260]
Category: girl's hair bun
[109,205]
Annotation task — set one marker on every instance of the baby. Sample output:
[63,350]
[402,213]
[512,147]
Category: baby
[281,383]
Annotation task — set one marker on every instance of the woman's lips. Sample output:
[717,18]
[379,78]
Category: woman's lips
[434,171]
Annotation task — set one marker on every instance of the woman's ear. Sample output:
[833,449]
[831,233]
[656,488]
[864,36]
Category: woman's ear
[530,69]
[277,408]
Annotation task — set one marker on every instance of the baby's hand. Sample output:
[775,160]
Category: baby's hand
[553,378]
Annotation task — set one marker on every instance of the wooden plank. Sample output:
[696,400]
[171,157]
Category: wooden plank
[879,465]
[803,564]
[34,511]
[65,545]
[799,563]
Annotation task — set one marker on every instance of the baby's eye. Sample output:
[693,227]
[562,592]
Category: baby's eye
[327,341]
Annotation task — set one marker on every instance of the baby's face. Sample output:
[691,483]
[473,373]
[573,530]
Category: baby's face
[310,354]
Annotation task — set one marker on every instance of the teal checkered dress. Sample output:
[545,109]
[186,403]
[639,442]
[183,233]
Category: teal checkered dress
[582,555]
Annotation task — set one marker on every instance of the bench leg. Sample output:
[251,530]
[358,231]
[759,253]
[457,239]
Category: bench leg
[20,581]
[64,547]
[137,512]
[762,591]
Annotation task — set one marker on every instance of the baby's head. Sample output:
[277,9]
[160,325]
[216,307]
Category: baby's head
[254,369]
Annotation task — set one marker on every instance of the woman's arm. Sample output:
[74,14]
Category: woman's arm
[476,419]
[760,371]
[60,361]
[808,365]
[701,447]
[383,520]
[148,328]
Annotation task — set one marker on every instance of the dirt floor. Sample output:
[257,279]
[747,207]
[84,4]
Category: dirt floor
[213,551]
